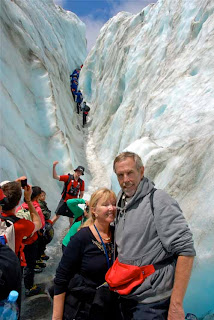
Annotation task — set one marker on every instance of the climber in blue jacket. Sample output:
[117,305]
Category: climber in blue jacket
[76,73]
[74,86]
[72,79]
[79,100]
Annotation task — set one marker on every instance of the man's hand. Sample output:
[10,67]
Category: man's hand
[20,179]
[27,192]
[182,275]
[55,175]
[176,312]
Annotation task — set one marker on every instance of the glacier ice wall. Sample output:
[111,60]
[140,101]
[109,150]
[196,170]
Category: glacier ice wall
[41,44]
[149,81]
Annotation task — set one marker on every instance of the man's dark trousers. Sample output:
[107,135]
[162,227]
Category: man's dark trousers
[132,310]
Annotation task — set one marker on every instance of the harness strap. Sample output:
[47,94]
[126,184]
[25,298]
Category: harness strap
[64,191]
[12,219]
[151,268]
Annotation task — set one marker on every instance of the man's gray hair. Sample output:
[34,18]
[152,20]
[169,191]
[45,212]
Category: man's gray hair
[124,155]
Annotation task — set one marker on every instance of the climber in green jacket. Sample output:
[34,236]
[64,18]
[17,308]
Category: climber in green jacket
[80,216]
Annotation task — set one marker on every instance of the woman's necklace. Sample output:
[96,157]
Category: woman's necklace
[106,239]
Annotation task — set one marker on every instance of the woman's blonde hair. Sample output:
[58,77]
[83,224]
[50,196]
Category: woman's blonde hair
[95,197]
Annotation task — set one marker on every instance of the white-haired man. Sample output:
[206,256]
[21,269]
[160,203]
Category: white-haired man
[151,232]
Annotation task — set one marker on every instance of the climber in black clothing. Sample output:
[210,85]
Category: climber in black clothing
[85,111]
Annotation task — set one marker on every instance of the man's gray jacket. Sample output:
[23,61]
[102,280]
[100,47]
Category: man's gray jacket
[143,238]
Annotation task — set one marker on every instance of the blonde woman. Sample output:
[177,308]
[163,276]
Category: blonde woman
[85,262]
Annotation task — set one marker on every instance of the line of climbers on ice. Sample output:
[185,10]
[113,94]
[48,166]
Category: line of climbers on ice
[77,95]
[101,275]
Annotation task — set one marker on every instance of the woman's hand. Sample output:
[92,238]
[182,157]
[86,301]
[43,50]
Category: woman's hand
[58,306]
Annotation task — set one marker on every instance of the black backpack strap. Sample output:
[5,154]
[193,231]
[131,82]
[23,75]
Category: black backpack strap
[64,191]
[151,199]
[80,181]
[13,219]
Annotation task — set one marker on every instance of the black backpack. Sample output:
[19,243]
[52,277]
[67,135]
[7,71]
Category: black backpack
[48,233]
[10,272]
[86,108]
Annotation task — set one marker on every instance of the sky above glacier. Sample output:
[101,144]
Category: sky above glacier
[95,13]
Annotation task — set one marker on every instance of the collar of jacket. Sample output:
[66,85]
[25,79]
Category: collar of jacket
[144,188]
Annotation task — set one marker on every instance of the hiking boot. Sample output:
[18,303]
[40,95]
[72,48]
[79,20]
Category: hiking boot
[44,257]
[37,269]
[40,263]
[32,291]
